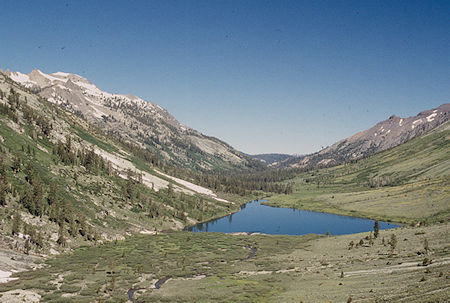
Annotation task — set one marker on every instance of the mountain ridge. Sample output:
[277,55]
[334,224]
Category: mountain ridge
[380,137]
[135,120]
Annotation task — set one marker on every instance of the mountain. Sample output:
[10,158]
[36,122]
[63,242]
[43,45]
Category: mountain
[65,182]
[383,136]
[135,121]
[409,183]
[271,158]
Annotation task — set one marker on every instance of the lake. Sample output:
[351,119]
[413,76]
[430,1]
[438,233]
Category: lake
[259,218]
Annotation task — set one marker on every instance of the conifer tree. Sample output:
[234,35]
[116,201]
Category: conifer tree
[3,189]
[393,242]
[376,229]
[27,246]
[17,221]
[38,196]
[27,199]
[62,235]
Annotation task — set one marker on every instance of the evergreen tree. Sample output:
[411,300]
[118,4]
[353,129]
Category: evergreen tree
[62,235]
[39,241]
[17,221]
[38,196]
[3,190]
[393,242]
[376,229]
[170,190]
[16,165]
[27,246]
[53,202]
[425,245]
[27,199]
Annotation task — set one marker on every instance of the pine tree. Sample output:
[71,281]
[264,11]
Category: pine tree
[53,202]
[393,242]
[27,199]
[3,189]
[170,190]
[376,229]
[425,245]
[39,241]
[62,235]
[17,221]
[73,228]
[27,246]
[38,196]
[17,164]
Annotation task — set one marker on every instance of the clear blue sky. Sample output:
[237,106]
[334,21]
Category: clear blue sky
[264,76]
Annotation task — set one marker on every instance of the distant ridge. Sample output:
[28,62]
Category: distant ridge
[384,135]
[271,158]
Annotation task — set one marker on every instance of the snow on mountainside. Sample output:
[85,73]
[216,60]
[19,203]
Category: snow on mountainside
[133,120]
[384,135]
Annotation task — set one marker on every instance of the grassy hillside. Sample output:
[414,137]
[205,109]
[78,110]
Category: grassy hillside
[409,183]
[63,182]
[65,187]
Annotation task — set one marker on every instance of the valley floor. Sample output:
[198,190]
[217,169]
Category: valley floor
[411,203]
[205,267]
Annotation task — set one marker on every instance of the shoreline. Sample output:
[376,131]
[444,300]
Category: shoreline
[346,213]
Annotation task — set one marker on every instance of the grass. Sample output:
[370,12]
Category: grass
[140,260]
[94,140]
[214,267]
[101,200]
[407,184]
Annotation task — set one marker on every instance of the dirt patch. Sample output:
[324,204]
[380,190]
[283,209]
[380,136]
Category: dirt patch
[20,295]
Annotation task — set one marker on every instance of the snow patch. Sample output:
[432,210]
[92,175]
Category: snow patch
[431,117]
[197,188]
[5,276]
[400,123]
[19,77]
[61,74]
[98,113]
[93,90]
[418,121]
[51,78]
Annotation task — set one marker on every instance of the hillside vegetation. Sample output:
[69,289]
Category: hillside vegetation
[111,212]
[63,182]
[409,183]
[402,265]
[130,119]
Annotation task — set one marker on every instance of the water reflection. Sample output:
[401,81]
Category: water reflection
[255,217]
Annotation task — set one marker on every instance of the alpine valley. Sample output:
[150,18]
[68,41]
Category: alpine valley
[97,188]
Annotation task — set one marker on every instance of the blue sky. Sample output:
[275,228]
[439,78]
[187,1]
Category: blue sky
[264,76]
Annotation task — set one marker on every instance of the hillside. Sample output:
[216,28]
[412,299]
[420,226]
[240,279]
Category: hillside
[69,189]
[63,182]
[271,158]
[133,120]
[383,136]
[408,183]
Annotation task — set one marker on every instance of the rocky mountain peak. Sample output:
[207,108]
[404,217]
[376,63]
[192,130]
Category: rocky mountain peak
[384,135]
[132,119]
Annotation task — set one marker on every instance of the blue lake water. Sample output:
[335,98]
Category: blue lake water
[256,217]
